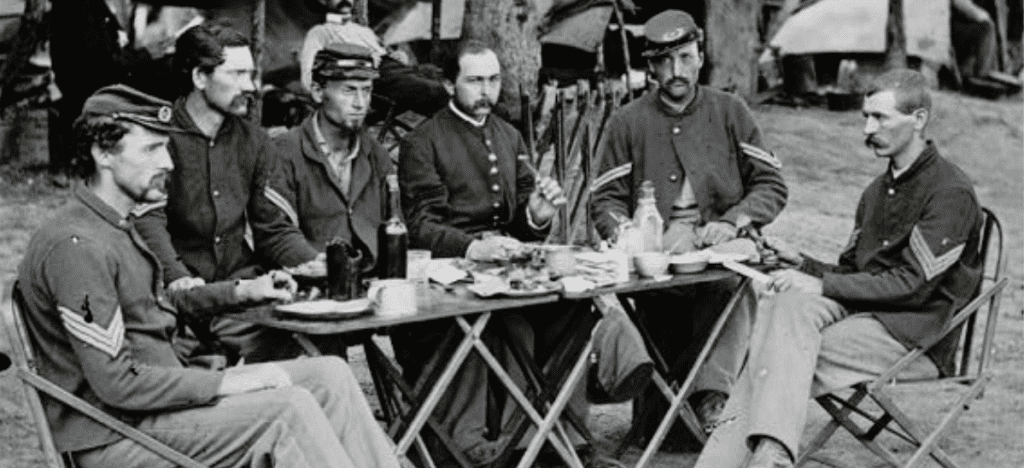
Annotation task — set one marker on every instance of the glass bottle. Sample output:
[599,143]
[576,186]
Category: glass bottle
[392,236]
[630,240]
[647,219]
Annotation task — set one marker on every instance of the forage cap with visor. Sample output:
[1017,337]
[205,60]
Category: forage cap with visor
[128,104]
[342,61]
[668,31]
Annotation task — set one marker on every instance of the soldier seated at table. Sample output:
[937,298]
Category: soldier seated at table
[103,326]
[224,216]
[704,153]
[334,171]
[465,194]
[913,260]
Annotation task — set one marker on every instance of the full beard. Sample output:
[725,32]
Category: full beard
[480,108]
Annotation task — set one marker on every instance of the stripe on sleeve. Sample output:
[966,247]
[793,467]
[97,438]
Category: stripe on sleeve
[761,154]
[110,340]
[931,264]
[278,200]
[612,174]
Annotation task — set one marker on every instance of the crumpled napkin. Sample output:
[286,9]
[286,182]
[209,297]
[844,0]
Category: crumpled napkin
[445,273]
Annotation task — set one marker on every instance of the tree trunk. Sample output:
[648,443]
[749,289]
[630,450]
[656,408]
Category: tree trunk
[895,38]
[510,27]
[30,35]
[732,43]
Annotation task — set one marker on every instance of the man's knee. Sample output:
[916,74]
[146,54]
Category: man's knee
[800,309]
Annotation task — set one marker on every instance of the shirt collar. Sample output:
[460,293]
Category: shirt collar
[928,154]
[100,207]
[462,115]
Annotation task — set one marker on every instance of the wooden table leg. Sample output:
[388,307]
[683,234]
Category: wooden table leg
[544,427]
[434,396]
[677,400]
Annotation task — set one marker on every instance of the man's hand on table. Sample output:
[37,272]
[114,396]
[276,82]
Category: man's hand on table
[545,200]
[784,280]
[253,377]
[715,232]
[492,248]
[785,252]
[276,285]
[185,283]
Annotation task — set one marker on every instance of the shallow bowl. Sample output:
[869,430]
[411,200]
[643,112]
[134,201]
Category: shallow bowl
[651,264]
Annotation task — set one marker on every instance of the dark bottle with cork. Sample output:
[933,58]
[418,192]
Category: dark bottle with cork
[392,236]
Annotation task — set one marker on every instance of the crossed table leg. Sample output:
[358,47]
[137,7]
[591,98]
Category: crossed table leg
[678,407]
[545,424]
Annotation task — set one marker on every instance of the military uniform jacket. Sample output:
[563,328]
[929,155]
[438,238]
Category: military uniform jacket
[217,186]
[458,181]
[714,142]
[913,258]
[102,324]
[321,209]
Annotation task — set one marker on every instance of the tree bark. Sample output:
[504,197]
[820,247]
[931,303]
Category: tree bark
[732,43]
[510,27]
[895,38]
[30,35]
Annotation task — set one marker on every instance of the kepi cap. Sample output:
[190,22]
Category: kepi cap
[125,103]
[342,61]
[668,31]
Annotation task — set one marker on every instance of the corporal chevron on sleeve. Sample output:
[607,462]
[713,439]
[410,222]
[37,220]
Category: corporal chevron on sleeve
[281,202]
[931,264]
[612,174]
[761,154]
[110,340]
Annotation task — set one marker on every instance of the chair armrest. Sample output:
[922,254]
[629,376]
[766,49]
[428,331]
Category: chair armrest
[962,315]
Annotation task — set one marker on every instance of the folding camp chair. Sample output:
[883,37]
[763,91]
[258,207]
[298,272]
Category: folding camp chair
[894,420]
[33,384]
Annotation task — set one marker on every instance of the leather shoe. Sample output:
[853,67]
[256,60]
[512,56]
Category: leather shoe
[770,454]
[708,407]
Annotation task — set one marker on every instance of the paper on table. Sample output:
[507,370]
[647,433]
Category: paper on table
[744,270]
[444,273]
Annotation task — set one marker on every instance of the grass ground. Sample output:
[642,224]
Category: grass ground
[826,167]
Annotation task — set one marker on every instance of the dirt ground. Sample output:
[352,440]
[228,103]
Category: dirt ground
[826,167]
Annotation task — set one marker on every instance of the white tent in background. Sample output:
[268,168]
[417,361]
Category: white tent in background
[858,26]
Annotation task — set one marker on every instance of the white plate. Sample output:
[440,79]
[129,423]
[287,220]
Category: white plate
[326,308]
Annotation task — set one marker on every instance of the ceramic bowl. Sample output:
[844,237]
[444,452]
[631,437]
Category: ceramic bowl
[690,262]
[651,264]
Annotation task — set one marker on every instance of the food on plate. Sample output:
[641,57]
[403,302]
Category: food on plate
[311,269]
[744,250]
[600,268]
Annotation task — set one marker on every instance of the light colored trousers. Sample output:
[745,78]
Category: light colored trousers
[803,346]
[322,420]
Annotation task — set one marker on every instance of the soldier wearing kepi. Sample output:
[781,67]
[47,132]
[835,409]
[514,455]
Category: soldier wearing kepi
[705,155]
[103,326]
[913,259]
[334,170]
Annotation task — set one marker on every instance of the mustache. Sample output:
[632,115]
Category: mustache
[872,142]
[678,80]
[483,103]
[243,98]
